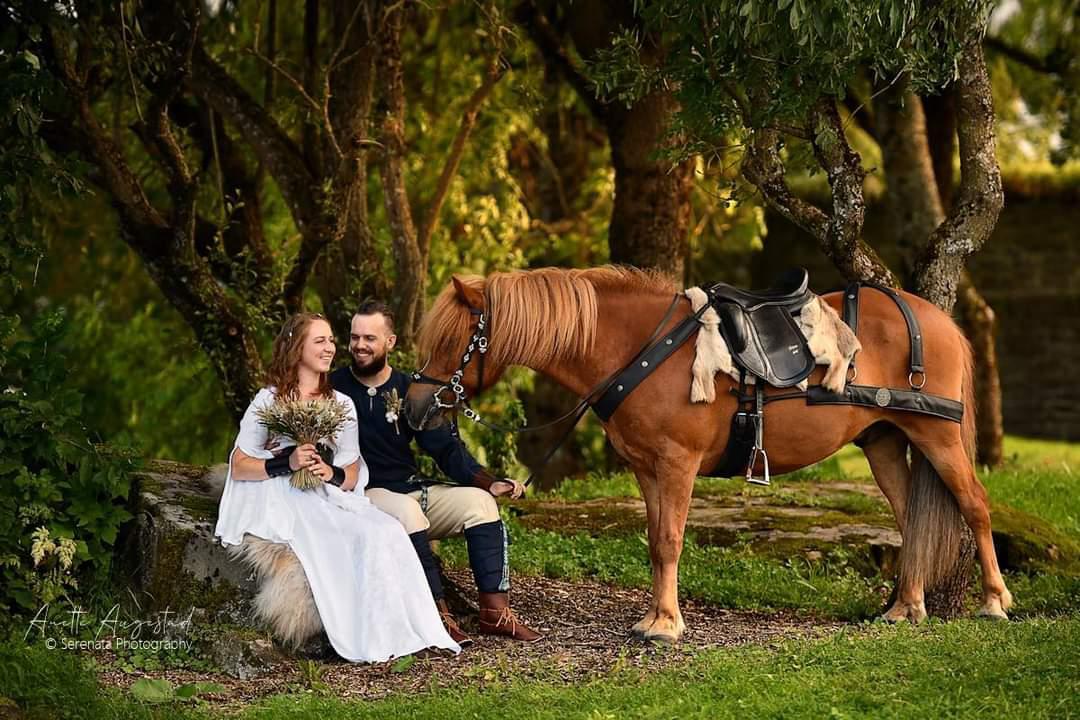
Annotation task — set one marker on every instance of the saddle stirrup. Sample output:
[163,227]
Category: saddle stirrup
[759,445]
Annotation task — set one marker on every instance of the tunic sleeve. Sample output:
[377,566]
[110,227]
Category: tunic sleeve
[253,434]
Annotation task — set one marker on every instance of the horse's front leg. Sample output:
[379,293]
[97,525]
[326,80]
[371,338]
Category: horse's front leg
[674,485]
[647,482]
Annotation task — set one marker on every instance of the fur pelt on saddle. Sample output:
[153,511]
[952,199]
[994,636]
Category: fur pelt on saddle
[830,339]
[284,600]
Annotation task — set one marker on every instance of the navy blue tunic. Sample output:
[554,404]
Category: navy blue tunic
[388,451]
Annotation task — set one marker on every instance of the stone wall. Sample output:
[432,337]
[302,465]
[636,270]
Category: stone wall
[1029,272]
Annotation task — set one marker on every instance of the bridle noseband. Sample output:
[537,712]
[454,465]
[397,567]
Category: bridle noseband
[478,346]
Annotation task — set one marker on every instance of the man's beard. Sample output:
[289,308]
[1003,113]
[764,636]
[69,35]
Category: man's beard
[373,366]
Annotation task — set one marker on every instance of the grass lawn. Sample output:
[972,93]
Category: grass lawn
[966,668]
[1029,668]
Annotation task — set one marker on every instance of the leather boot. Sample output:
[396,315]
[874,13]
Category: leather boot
[496,618]
[452,628]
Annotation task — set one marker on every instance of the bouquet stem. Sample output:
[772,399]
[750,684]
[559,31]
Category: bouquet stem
[304,479]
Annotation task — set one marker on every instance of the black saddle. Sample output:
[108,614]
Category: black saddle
[760,329]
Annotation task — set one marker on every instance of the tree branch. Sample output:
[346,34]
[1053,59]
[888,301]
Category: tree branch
[974,214]
[125,188]
[839,232]
[410,270]
[282,157]
[555,56]
[1029,59]
[492,75]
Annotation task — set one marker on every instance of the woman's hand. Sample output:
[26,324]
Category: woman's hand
[507,486]
[304,456]
[321,470]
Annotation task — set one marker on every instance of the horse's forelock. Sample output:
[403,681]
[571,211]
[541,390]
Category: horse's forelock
[448,323]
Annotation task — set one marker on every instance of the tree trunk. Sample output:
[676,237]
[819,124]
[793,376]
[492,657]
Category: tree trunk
[980,325]
[974,314]
[651,214]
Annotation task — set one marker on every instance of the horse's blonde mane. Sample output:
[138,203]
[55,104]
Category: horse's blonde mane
[535,316]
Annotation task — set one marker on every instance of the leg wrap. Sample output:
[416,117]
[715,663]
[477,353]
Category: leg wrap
[428,562]
[488,557]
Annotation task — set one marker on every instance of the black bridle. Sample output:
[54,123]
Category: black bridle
[478,346]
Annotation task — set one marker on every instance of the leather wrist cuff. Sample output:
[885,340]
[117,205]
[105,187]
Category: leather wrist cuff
[339,476]
[278,465]
[483,479]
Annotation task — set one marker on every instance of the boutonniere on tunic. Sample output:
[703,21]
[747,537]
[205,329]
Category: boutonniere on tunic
[393,404]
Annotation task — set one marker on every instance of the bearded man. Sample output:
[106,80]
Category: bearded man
[428,509]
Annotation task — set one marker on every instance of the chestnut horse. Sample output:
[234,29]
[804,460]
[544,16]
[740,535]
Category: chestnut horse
[578,327]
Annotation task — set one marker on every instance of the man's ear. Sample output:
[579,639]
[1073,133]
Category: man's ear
[469,295]
[391,341]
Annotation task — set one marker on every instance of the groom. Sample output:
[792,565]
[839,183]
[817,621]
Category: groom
[428,510]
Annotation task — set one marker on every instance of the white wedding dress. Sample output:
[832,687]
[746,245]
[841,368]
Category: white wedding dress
[371,592]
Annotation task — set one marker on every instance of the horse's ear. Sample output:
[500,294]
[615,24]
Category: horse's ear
[469,295]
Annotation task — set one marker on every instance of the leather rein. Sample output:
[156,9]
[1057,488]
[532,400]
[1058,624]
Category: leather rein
[478,348]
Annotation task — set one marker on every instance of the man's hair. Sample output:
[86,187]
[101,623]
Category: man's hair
[377,307]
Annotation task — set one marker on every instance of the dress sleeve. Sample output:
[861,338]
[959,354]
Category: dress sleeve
[253,434]
[348,444]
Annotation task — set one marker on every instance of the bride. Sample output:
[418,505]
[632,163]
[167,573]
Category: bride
[366,580]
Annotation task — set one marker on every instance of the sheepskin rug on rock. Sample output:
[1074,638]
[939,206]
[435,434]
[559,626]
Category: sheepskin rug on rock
[284,600]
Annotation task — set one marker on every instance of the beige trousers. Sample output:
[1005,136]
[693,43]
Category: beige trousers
[442,510]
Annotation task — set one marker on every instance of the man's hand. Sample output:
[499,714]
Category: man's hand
[507,486]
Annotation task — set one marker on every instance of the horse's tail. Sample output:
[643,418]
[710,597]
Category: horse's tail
[933,527]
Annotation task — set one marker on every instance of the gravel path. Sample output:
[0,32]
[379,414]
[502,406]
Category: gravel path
[586,627]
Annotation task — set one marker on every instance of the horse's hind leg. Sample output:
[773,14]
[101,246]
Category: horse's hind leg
[885,448]
[946,453]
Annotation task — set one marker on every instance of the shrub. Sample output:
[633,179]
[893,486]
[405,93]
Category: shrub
[63,496]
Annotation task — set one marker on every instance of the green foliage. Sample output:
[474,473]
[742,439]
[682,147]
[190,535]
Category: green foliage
[753,63]
[160,690]
[960,669]
[145,382]
[596,484]
[55,481]
[1038,104]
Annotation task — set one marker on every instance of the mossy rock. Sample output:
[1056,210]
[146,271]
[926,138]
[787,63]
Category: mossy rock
[172,558]
[804,520]
[1028,544]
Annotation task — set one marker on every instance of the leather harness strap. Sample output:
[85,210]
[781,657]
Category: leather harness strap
[643,365]
[888,399]
[851,306]
[914,333]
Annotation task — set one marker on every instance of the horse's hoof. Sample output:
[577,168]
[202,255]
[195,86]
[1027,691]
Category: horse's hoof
[992,611]
[666,639]
[902,612]
[1006,599]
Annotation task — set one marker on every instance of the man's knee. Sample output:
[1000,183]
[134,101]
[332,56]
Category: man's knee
[477,507]
[402,507]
